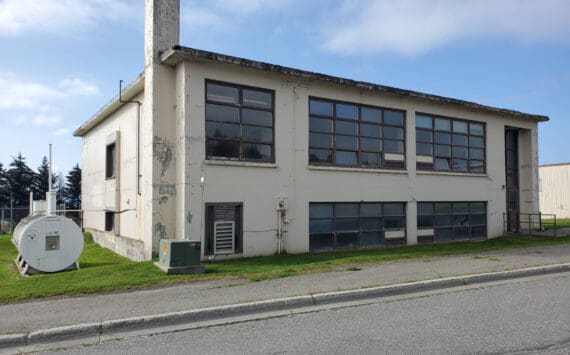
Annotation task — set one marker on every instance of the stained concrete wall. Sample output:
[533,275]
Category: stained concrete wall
[555,189]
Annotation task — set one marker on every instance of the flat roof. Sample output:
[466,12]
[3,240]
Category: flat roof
[554,164]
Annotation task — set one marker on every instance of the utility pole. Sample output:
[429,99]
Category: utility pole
[11,212]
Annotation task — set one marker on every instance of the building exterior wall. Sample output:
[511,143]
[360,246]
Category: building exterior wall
[555,189]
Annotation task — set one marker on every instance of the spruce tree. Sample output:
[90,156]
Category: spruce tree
[20,180]
[73,188]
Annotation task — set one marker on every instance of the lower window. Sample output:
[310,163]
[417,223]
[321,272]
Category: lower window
[356,225]
[109,221]
[452,221]
[224,228]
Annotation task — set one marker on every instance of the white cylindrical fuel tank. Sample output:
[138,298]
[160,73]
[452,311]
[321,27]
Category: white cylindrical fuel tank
[48,243]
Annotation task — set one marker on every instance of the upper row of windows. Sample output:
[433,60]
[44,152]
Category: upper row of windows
[240,126]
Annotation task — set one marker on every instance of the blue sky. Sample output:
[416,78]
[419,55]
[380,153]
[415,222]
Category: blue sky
[62,59]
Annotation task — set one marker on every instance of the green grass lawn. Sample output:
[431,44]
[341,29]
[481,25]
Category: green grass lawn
[103,271]
[560,223]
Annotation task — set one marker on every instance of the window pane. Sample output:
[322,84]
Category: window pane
[425,208]
[442,150]
[346,210]
[478,232]
[257,151]
[347,111]
[442,208]
[460,126]
[477,207]
[443,221]
[476,142]
[369,130]
[320,156]
[322,108]
[370,114]
[476,166]
[320,125]
[369,239]
[321,225]
[256,98]
[321,242]
[443,234]
[320,140]
[393,132]
[424,136]
[371,210]
[370,160]
[475,153]
[347,240]
[394,209]
[460,208]
[222,93]
[225,149]
[343,127]
[222,113]
[346,224]
[476,128]
[371,223]
[459,139]
[442,138]
[460,152]
[256,117]
[425,221]
[478,219]
[321,210]
[222,130]
[460,165]
[346,158]
[394,223]
[371,144]
[461,220]
[393,146]
[442,164]
[423,121]
[395,118]
[443,124]
[423,149]
[258,134]
[346,142]
[461,233]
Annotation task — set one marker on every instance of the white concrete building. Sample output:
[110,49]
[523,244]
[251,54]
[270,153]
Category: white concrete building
[555,189]
[254,158]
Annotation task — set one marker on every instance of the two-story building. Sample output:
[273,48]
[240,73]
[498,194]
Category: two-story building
[254,158]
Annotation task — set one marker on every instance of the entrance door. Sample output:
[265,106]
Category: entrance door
[512,174]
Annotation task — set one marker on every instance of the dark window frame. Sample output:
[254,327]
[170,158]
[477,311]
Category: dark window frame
[110,160]
[109,221]
[359,136]
[452,225]
[360,219]
[209,230]
[240,106]
[426,166]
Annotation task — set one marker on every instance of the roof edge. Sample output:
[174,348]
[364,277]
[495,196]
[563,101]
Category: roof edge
[134,88]
[553,164]
[177,54]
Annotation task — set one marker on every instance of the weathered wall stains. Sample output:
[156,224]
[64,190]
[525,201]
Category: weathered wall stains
[189,217]
[163,199]
[162,152]
[160,231]
[167,189]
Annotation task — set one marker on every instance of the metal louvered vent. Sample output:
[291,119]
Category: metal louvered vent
[224,237]
[225,213]
[426,239]
[424,166]
[395,242]
[389,164]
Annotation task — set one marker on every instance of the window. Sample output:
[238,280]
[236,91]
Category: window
[352,135]
[110,161]
[451,144]
[451,221]
[224,232]
[109,221]
[239,123]
[356,225]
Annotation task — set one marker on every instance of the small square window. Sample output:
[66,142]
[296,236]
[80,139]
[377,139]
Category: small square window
[110,161]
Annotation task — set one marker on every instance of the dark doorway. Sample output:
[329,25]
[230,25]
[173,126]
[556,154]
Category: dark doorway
[512,175]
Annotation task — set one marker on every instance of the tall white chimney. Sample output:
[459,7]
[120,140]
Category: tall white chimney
[161,28]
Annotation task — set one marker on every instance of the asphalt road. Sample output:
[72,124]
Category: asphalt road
[522,316]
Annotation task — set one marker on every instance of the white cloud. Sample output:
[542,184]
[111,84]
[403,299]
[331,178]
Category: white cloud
[78,87]
[61,16]
[412,27]
[45,120]
[61,132]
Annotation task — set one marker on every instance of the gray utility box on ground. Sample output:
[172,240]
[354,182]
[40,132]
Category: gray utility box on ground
[179,256]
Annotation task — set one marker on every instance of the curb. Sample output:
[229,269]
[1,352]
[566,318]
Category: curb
[213,313]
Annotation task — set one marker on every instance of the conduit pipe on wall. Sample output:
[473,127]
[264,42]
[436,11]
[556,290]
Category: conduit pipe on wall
[138,134]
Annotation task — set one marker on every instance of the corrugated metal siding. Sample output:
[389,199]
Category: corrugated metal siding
[554,190]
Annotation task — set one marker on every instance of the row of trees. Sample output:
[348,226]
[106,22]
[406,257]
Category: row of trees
[18,179]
